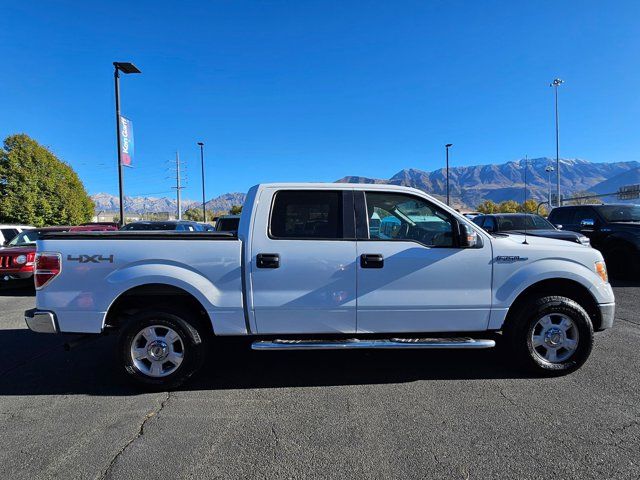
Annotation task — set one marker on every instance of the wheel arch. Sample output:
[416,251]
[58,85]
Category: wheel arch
[161,296]
[561,287]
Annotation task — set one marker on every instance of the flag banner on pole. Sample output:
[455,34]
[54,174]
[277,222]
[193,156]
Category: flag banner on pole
[126,141]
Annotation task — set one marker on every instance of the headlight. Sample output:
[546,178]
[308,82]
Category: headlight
[585,241]
[20,259]
[601,270]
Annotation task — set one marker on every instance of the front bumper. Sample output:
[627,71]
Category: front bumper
[607,313]
[41,321]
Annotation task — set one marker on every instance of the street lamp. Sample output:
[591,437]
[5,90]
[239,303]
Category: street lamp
[126,68]
[549,169]
[555,84]
[204,211]
[447,146]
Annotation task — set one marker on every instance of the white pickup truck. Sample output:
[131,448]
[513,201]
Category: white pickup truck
[324,266]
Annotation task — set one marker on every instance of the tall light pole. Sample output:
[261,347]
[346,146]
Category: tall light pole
[447,146]
[549,169]
[125,68]
[555,84]
[204,211]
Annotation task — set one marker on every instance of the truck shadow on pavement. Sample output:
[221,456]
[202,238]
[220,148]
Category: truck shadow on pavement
[37,364]
[18,289]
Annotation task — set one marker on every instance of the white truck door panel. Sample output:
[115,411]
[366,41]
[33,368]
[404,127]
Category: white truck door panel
[421,289]
[424,283]
[313,287]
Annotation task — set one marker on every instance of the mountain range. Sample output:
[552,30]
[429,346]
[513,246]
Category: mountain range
[110,203]
[469,185]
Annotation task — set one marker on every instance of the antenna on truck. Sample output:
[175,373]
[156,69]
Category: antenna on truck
[524,207]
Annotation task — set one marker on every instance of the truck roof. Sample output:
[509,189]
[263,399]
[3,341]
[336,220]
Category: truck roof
[342,186]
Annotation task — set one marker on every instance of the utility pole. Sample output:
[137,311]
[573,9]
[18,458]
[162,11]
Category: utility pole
[204,211]
[447,146]
[555,84]
[178,186]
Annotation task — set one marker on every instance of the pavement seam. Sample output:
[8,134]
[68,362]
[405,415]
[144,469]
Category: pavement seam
[107,472]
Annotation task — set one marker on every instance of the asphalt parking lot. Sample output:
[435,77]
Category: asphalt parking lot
[318,414]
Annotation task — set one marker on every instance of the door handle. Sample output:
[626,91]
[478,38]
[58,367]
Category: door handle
[371,260]
[268,260]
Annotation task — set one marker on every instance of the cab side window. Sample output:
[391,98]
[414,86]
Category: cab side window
[306,214]
[397,216]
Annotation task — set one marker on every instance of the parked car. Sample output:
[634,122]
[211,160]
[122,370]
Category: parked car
[306,272]
[9,232]
[613,229]
[17,257]
[530,224]
[169,225]
[111,225]
[228,223]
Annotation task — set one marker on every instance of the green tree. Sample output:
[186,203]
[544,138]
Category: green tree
[194,214]
[576,200]
[531,206]
[236,210]
[38,188]
[509,206]
[488,206]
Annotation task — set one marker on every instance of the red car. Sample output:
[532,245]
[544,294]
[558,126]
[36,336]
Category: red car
[16,258]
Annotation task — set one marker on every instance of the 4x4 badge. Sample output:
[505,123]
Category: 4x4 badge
[90,258]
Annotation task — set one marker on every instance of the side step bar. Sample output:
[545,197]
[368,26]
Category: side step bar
[354,343]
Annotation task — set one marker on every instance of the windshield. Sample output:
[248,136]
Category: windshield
[521,222]
[620,213]
[28,237]
[227,224]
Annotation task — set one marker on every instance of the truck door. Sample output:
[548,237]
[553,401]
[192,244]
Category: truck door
[412,276]
[303,262]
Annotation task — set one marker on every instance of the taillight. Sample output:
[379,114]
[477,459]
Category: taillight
[47,267]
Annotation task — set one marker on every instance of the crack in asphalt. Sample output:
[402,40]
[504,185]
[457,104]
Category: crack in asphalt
[153,413]
[274,434]
[627,321]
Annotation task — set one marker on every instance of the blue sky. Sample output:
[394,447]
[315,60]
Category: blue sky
[313,91]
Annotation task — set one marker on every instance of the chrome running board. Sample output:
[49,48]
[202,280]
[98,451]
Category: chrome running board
[386,343]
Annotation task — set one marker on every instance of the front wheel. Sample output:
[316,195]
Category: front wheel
[551,335]
[160,350]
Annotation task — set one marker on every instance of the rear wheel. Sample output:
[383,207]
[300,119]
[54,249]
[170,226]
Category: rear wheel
[551,335]
[160,350]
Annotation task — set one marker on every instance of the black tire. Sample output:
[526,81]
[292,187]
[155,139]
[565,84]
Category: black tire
[191,342]
[623,262]
[521,327]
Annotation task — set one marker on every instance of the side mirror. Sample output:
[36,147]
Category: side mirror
[468,237]
[588,223]
[558,226]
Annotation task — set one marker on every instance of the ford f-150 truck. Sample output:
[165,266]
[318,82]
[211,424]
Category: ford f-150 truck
[306,270]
